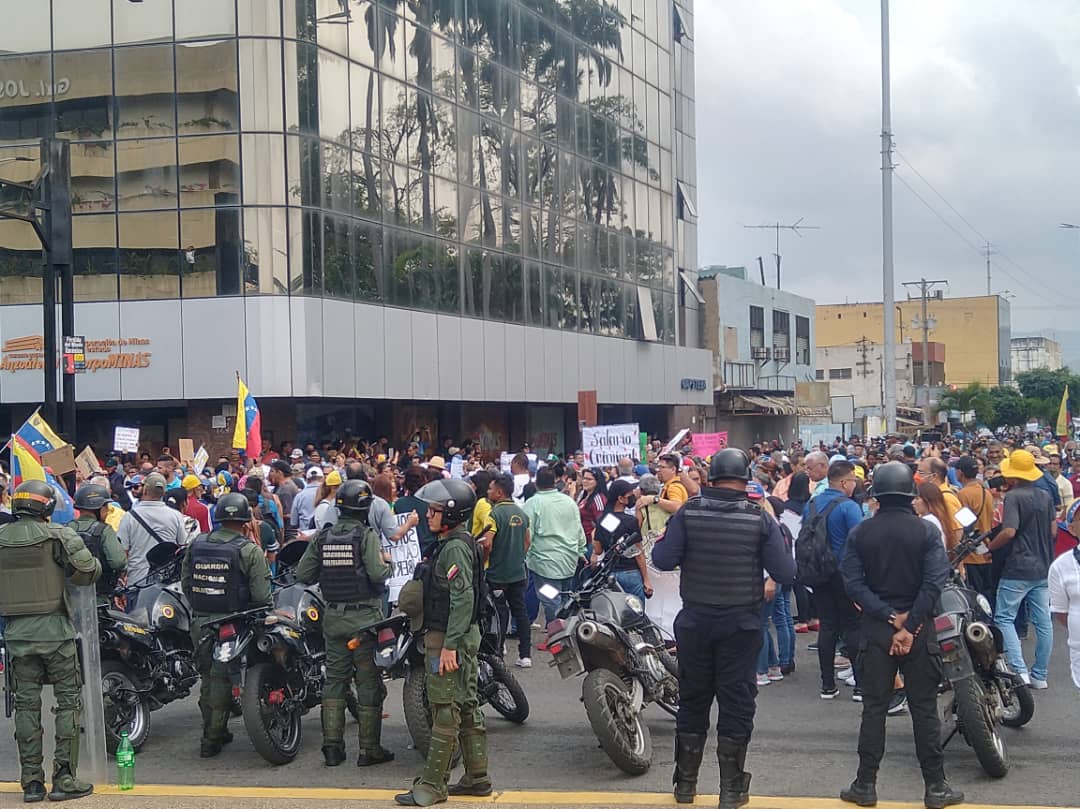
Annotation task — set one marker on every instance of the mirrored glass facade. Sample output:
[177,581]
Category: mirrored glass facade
[457,156]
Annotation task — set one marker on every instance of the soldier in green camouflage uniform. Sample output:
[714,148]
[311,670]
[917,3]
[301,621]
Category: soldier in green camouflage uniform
[245,586]
[35,558]
[100,539]
[451,643]
[346,559]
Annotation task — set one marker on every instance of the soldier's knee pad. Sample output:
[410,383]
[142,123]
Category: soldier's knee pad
[446,716]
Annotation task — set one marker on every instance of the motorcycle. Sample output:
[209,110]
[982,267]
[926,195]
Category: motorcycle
[605,633]
[980,690]
[147,660]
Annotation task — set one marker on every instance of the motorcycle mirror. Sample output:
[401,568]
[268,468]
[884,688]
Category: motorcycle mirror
[610,523]
[966,517]
[549,591]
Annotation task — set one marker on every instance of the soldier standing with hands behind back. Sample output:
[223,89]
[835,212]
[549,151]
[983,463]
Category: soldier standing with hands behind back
[894,569]
[35,558]
[722,542]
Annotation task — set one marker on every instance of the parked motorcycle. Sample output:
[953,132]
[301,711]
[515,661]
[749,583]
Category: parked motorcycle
[605,633]
[147,660]
[980,690]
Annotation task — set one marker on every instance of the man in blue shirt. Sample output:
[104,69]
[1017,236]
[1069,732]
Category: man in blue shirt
[839,618]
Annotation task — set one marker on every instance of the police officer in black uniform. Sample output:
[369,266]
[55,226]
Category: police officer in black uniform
[722,542]
[894,569]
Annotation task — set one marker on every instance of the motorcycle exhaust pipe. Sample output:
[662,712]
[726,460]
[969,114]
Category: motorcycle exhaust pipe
[593,634]
[981,640]
[265,644]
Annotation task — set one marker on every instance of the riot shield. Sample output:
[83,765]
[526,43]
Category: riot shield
[93,764]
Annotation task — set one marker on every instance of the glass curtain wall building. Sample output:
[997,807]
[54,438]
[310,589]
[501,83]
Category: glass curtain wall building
[519,161]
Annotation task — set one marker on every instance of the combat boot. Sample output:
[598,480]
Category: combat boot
[34,792]
[474,755]
[67,787]
[371,751]
[939,795]
[860,793]
[214,733]
[689,748]
[430,787]
[333,731]
[734,781]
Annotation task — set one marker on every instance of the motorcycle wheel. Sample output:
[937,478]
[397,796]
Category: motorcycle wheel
[503,691]
[667,659]
[624,736]
[275,730]
[979,728]
[1021,707]
[129,713]
[418,713]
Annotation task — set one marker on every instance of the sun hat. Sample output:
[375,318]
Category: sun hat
[1020,465]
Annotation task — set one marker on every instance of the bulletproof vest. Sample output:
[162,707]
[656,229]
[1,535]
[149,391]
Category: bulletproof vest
[218,583]
[721,565]
[343,577]
[31,580]
[92,539]
[437,588]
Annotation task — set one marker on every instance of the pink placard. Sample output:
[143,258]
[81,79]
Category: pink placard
[706,444]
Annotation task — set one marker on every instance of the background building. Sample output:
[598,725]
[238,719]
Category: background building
[1034,353]
[975,331]
[388,216]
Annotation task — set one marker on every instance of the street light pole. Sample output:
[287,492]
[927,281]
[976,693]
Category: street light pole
[56,153]
[888,303]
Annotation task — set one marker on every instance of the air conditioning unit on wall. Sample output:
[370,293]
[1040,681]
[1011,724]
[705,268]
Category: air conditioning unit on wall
[759,352]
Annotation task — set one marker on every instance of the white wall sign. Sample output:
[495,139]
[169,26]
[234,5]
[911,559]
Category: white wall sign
[603,446]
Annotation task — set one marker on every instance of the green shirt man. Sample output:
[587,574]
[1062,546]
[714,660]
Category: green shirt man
[35,558]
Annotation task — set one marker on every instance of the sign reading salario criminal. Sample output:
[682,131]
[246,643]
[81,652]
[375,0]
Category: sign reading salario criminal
[28,354]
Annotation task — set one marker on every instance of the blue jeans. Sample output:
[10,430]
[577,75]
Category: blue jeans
[630,581]
[767,656]
[1011,594]
[785,627]
[551,606]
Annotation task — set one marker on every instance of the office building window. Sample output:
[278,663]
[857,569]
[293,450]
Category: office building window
[802,340]
[757,327]
[819,374]
[781,336]
[839,373]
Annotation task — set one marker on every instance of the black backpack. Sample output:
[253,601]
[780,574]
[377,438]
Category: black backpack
[92,539]
[814,558]
[425,568]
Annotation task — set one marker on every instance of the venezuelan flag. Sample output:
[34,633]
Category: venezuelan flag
[39,436]
[247,435]
[24,463]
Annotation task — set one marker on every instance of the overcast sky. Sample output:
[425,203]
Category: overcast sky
[986,106]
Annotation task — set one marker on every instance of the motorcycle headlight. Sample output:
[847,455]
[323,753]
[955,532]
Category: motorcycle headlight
[984,604]
[634,603]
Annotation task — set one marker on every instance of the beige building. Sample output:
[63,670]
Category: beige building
[1035,353]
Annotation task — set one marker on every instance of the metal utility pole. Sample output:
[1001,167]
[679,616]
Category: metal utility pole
[989,252]
[888,302]
[56,154]
[925,288]
[794,227]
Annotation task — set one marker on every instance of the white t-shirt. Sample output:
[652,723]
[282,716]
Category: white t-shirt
[1064,583]
[934,521]
[521,480]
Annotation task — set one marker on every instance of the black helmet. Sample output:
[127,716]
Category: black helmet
[894,478]
[729,464]
[354,497]
[91,497]
[33,498]
[456,497]
[232,507]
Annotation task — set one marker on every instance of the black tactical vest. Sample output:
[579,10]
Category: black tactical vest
[437,588]
[343,578]
[218,583]
[92,539]
[721,565]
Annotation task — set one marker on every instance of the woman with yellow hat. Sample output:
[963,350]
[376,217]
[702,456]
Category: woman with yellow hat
[325,500]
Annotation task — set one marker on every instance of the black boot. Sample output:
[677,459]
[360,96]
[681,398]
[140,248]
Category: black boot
[689,748]
[333,754]
[940,794]
[734,781]
[860,793]
[34,792]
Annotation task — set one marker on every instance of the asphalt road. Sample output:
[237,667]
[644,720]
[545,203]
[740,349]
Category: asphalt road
[802,746]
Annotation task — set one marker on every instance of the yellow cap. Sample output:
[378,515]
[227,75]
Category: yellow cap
[191,483]
[333,479]
[860,473]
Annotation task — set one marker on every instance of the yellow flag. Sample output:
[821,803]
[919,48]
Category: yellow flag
[1063,415]
[239,440]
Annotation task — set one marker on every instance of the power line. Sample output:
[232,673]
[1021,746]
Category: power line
[940,196]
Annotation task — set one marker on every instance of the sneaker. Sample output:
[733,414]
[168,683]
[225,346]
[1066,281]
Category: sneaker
[856,695]
[524,663]
[775,674]
[814,625]
[843,674]
[811,647]
[763,679]
[841,662]
[850,681]
[897,704]
[829,693]
[1026,678]
[801,628]
[1038,684]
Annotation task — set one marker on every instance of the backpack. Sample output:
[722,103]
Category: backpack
[482,602]
[814,558]
[92,539]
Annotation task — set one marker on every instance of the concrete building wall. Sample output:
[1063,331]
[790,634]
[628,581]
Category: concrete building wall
[1033,353]
[857,371]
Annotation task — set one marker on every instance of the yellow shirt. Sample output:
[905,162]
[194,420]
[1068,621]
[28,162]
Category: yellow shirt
[480,516]
[674,490]
[952,503]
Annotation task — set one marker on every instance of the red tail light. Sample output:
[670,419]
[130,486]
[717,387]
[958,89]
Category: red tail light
[555,648]
[944,623]
[226,631]
[276,697]
[236,692]
[386,635]
[949,645]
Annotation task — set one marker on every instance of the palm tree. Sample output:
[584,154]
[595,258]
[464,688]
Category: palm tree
[967,401]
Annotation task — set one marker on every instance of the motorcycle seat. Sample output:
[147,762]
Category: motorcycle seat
[138,618]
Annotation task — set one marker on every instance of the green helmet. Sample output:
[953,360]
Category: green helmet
[354,497]
[33,498]
[232,507]
[894,479]
[91,497]
[456,498]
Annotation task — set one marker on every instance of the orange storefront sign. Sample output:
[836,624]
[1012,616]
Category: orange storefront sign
[28,354]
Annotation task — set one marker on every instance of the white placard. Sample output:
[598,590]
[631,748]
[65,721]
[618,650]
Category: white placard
[603,446]
[507,457]
[457,468]
[404,556]
[674,442]
[202,457]
[126,439]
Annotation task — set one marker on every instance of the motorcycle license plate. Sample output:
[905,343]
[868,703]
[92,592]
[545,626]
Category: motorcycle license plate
[568,662]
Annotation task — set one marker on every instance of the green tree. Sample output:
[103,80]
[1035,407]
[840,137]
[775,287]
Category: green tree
[968,401]
[1044,384]
[1009,407]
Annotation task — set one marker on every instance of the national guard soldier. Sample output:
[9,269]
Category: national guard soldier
[722,542]
[894,569]
[92,501]
[223,572]
[347,561]
[35,557]
[452,585]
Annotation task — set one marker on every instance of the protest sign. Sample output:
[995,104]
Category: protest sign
[87,463]
[457,468]
[199,462]
[604,445]
[706,444]
[404,556]
[187,450]
[126,439]
[674,442]
[60,460]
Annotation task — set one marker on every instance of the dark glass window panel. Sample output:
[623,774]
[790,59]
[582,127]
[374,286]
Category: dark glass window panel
[445,208]
[311,253]
[434,276]
[209,170]
[588,249]
[395,193]
[86,115]
[300,17]
[390,44]
[365,116]
[301,88]
[305,170]
[338,280]
[650,264]
[20,263]
[405,259]
[337,177]
[364,186]
[400,127]
[146,174]
[569,245]
[535,294]
[266,266]
[145,94]
[93,188]
[532,232]
[505,293]
[443,137]
[212,254]
[443,68]
[368,261]
[93,239]
[630,325]
[148,256]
